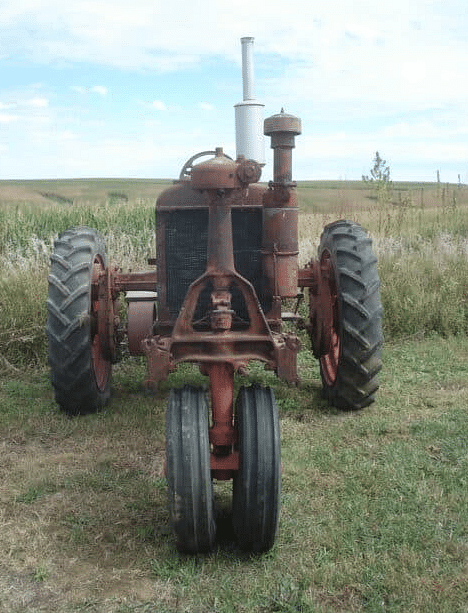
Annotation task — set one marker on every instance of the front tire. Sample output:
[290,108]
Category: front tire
[80,373]
[257,486]
[190,487]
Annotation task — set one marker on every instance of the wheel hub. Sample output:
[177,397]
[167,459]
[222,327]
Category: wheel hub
[325,329]
[102,318]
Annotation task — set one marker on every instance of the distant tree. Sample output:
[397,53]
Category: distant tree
[379,179]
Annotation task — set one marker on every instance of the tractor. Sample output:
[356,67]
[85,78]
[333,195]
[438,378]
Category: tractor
[226,265]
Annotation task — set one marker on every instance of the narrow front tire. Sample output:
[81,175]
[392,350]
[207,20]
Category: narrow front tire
[257,486]
[190,488]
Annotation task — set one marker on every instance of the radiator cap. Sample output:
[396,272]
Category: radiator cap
[219,172]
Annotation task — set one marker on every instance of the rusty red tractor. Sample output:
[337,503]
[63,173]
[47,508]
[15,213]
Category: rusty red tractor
[226,264]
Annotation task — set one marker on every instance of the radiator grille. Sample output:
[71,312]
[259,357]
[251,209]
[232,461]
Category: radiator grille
[186,244]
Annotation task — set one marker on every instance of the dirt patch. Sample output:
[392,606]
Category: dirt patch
[81,518]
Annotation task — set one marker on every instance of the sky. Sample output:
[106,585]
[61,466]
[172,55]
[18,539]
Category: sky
[114,88]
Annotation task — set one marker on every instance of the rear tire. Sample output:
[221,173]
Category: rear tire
[349,370]
[190,487]
[257,486]
[81,376]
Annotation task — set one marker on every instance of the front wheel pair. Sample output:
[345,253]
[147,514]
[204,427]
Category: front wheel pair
[256,491]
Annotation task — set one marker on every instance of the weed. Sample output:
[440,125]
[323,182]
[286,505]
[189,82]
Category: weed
[41,573]
[288,596]
[35,492]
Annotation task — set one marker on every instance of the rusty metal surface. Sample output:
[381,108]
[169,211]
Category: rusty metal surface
[141,316]
[224,467]
[223,435]
[323,305]
[106,312]
[221,173]
[103,339]
[282,124]
[280,213]
[134,281]
[174,202]
[283,128]
[159,361]
[306,276]
[220,256]
[254,342]
[217,173]
[218,339]
[186,172]
[248,171]
[286,349]
[180,196]
[280,249]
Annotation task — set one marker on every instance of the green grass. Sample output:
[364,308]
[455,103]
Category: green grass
[420,297]
[374,503]
[22,319]
[80,191]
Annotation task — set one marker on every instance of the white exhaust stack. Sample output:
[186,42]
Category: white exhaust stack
[250,141]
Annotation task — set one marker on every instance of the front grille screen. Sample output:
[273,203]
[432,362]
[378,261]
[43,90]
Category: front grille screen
[186,244]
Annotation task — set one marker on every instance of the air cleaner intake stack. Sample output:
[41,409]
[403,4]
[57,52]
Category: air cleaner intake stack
[280,210]
[249,113]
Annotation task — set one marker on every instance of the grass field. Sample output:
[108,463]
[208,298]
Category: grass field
[374,503]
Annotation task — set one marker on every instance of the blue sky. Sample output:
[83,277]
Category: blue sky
[112,88]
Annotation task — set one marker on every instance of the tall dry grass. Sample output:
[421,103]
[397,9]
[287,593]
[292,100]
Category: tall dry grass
[422,255]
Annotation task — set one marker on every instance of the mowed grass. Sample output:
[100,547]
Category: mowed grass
[374,503]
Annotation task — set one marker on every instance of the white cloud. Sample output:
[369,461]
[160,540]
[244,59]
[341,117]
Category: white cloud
[159,105]
[8,118]
[348,52]
[39,102]
[67,135]
[99,89]
[95,89]
[361,75]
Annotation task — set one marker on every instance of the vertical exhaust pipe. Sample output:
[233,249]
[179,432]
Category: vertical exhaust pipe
[250,141]
[247,68]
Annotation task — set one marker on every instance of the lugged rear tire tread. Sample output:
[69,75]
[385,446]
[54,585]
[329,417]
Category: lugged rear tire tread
[360,314]
[69,323]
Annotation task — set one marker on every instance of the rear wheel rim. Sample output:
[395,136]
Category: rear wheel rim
[101,366]
[331,360]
